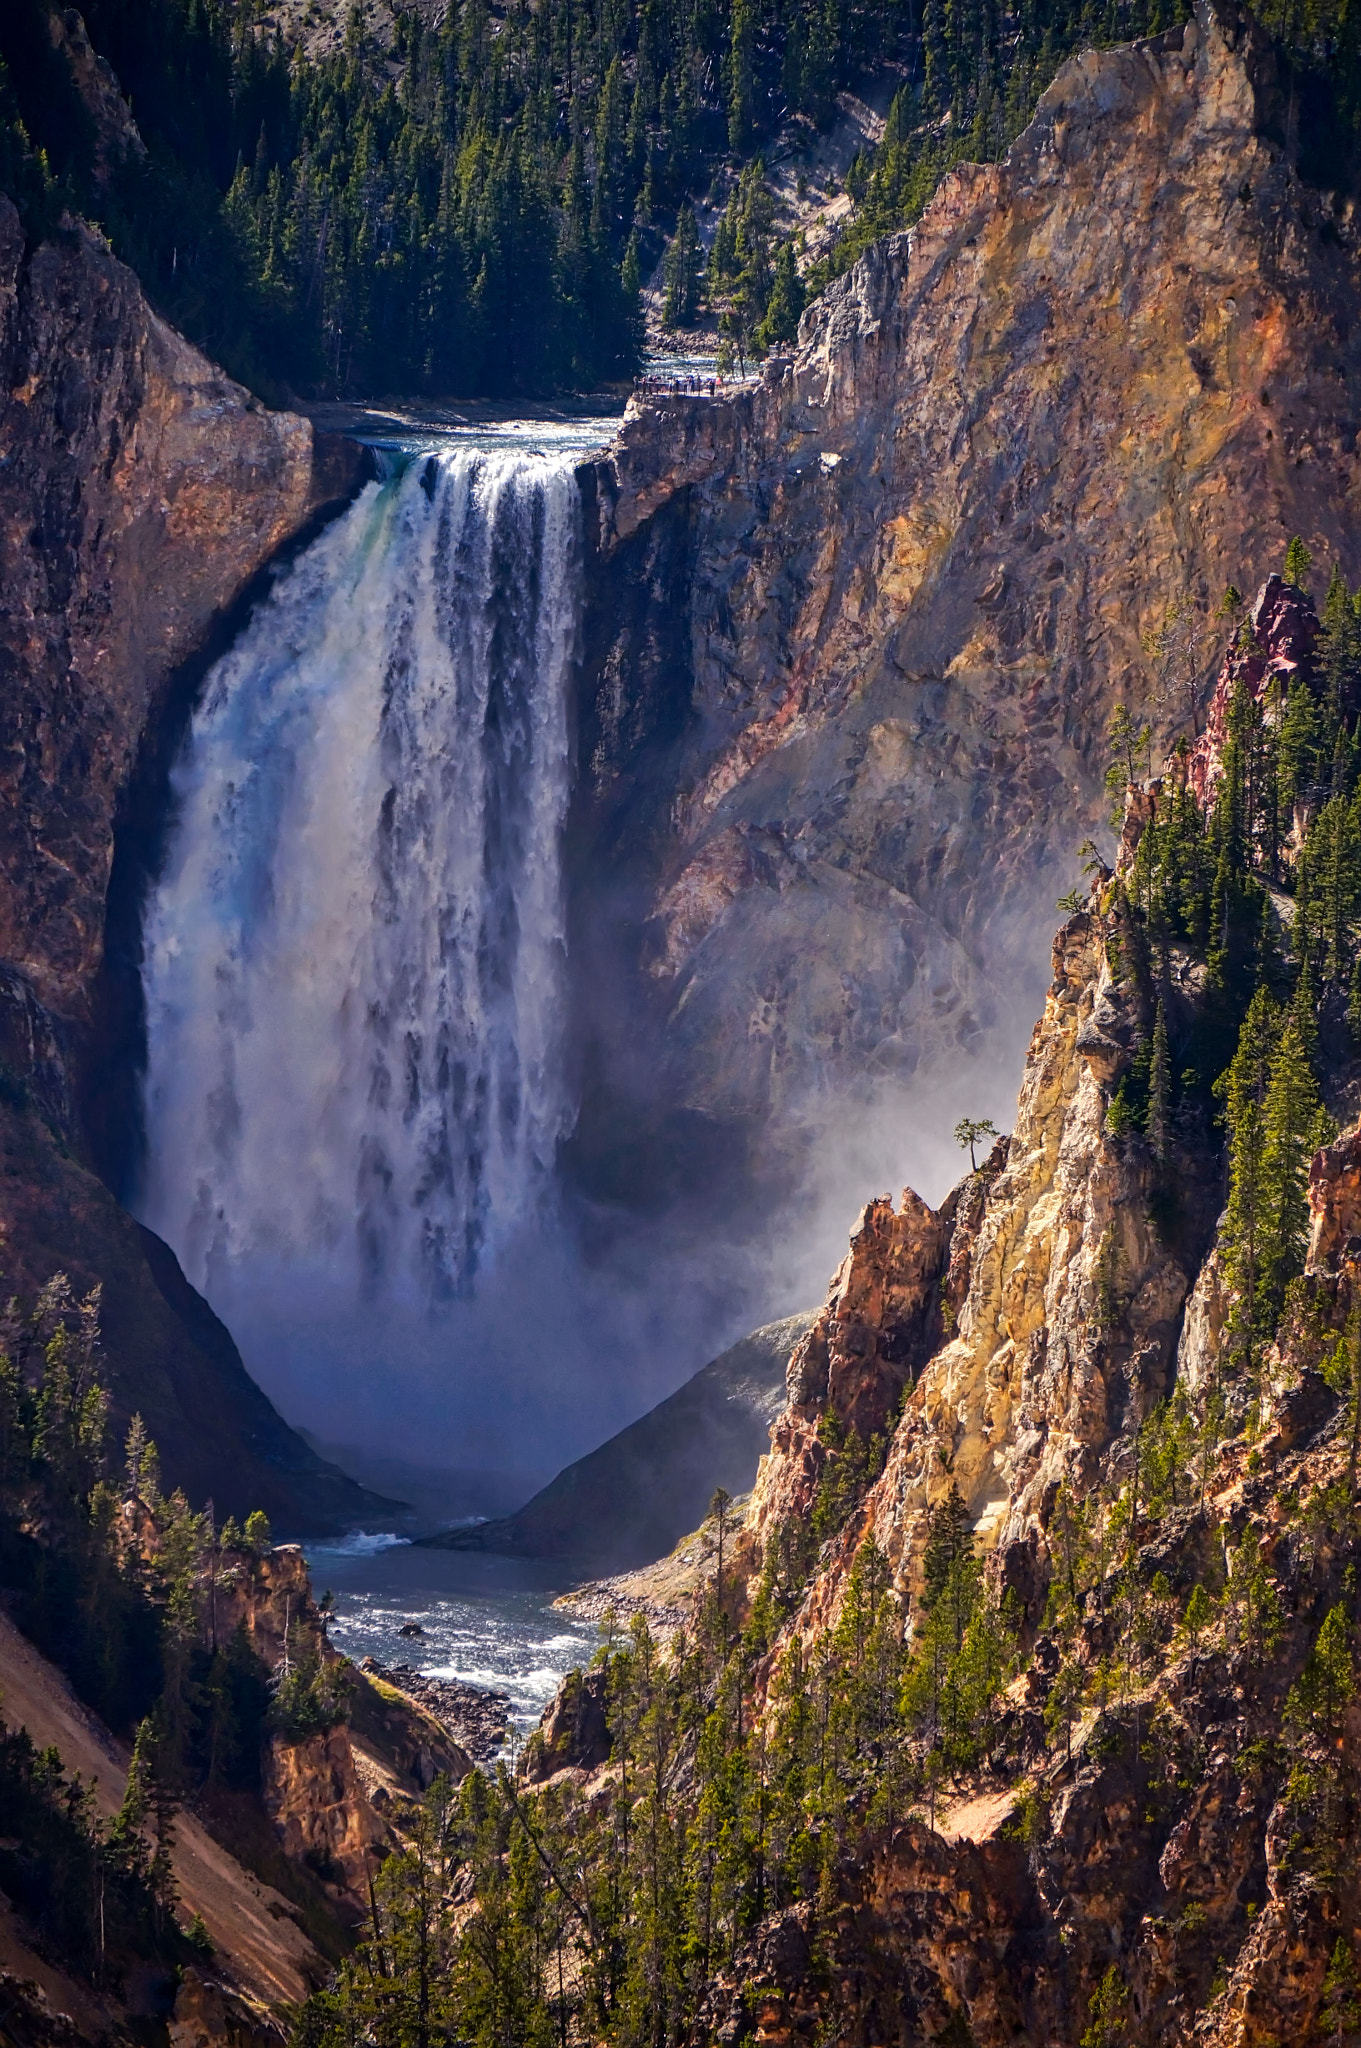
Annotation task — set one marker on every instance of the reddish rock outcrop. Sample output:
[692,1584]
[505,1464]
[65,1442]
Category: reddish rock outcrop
[865,1344]
[1284,627]
[1335,1203]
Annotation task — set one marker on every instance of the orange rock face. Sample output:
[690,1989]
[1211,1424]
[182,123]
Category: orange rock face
[313,1795]
[1335,1203]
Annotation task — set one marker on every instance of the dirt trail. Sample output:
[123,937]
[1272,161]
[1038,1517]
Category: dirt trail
[261,1950]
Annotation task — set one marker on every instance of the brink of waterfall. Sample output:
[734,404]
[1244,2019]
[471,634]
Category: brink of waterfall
[354,956]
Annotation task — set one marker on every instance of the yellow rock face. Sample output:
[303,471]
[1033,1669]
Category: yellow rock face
[1065,1299]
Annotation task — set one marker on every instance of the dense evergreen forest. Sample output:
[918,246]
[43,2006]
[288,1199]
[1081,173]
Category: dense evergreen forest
[471,210]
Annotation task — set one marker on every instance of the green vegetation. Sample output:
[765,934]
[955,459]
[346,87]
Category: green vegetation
[470,210]
[610,1916]
[970,1132]
[131,1593]
[122,1586]
[97,1898]
[1108,2013]
[762,1759]
[977,72]
[1284,817]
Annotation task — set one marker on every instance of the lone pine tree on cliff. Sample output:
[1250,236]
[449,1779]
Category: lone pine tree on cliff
[970,1130]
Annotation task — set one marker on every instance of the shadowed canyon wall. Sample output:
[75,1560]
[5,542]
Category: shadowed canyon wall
[851,644]
[141,491]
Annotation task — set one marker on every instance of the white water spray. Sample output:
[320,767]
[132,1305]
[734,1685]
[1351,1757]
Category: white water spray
[354,959]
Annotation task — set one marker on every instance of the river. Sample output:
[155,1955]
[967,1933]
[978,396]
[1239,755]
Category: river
[486,1620]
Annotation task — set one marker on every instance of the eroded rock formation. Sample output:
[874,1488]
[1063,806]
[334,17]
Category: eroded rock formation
[142,490]
[1079,1300]
[1069,1301]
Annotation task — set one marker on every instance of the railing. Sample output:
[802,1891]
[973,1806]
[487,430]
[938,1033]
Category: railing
[653,385]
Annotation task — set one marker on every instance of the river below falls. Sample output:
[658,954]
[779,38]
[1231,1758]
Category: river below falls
[489,1621]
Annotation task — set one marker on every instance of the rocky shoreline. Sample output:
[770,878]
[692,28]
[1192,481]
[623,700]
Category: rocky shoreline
[606,1596]
[477,1719]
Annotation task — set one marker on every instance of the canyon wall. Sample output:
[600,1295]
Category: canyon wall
[1169,1871]
[852,641]
[141,494]
[857,632]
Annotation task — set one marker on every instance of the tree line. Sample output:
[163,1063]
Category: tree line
[471,209]
[1261,883]
[608,1917]
[751,1762]
[606,1912]
[468,211]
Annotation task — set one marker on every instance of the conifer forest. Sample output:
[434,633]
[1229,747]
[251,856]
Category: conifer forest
[472,211]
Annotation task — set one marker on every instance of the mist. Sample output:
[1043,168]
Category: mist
[467,1407]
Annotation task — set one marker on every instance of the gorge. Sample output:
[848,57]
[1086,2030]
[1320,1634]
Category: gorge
[495,917]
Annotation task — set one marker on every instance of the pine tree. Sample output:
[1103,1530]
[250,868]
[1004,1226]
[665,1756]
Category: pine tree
[1293,1127]
[1299,748]
[1339,648]
[781,320]
[949,1537]
[1245,1237]
[14,1444]
[682,272]
[1159,1122]
[741,79]
[142,1466]
[1326,1687]
[1340,2013]
[1199,1614]
[1333,860]
[1298,563]
[1129,740]
[1108,2012]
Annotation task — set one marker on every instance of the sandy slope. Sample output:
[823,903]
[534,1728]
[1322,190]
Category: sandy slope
[261,1951]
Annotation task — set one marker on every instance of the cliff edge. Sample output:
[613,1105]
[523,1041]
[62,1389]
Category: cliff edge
[141,493]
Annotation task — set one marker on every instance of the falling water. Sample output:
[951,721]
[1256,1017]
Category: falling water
[354,956]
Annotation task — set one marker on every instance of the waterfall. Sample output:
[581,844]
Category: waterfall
[354,955]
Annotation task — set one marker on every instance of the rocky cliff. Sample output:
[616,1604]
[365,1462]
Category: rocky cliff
[141,493]
[1039,1643]
[857,633]
[1212,1882]
[142,490]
